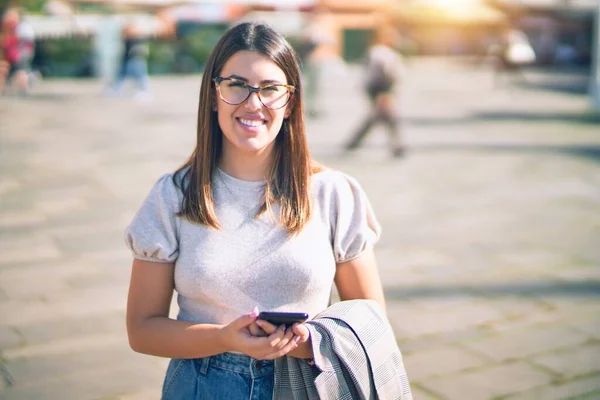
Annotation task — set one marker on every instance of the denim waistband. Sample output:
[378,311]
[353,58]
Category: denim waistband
[238,363]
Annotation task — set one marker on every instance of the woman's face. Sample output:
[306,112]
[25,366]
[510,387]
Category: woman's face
[250,127]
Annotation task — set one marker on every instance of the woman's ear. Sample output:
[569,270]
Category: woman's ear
[288,108]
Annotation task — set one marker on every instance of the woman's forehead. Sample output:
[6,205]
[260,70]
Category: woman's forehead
[253,67]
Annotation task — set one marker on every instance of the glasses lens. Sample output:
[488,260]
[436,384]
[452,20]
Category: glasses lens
[233,92]
[275,96]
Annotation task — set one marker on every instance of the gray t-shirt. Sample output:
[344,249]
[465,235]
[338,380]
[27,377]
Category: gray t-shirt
[221,274]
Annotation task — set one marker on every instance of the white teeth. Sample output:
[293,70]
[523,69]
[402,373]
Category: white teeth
[251,122]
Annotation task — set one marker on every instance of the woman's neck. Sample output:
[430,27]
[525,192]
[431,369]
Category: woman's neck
[246,166]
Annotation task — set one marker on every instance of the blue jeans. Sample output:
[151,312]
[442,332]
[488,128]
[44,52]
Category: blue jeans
[137,69]
[225,376]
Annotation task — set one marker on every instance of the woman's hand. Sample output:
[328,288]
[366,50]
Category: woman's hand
[256,330]
[301,336]
[237,336]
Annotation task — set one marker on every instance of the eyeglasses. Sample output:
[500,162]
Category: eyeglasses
[233,91]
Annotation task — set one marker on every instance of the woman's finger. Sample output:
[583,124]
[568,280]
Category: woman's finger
[287,337]
[256,330]
[277,336]
[290,346]
[268,327]
[302,331]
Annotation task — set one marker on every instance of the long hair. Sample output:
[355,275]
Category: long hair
[288,176]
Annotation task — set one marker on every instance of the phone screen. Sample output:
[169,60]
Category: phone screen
[282,318]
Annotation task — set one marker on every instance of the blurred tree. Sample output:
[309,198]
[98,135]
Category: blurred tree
[32,6]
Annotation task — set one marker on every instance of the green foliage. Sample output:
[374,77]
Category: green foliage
[161,56]
[188,54]
[67,56]
[68,49]
[200,43]
[30,6]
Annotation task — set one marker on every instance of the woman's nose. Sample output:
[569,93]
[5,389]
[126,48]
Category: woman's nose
[253,102]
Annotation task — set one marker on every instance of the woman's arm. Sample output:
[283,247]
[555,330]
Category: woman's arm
[151,331]
[148,325]
[359,279]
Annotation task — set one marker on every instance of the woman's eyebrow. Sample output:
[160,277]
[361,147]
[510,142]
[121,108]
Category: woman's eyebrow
[263,82]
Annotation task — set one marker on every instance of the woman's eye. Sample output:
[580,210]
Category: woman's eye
[235,84]
[271,88]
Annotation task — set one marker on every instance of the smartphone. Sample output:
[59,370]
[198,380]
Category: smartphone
[282,318]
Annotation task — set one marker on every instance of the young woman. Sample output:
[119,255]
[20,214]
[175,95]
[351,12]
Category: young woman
[248,223]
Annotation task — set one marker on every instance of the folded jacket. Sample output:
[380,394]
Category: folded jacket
[355,357]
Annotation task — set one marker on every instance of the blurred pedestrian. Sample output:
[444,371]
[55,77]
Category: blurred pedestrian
[17,52]
[27,47]
[510,56]
[134,62]
[384,74]
[318,43]
[249,222]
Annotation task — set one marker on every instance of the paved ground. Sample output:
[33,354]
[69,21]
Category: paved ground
[490,254]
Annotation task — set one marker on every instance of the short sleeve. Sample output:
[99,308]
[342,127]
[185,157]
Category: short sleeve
[152,235]
[355,227]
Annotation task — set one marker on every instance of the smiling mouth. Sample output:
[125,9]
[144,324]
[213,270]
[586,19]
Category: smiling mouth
[252,123]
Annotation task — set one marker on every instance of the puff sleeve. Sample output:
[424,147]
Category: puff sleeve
[354,225]
[152,235]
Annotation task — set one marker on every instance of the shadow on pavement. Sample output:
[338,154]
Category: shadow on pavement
[43,96]
[523,289]
[581,118]
[577,88]
[584,118]
[591,152]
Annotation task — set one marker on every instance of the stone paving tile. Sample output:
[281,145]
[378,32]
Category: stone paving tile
[572,362]
[67,305]
[87,383]
[587,388]
[65,328]
[34,368]
[527,342]
[29,253]
[487,382]
[10,219]
[440,361]
[590,325]
[420,394]
[61,347]
[33,290]
[540,319]
[424,343]
[145,394]
[455,319]
[9,337]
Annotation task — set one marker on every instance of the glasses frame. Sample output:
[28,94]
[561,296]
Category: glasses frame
[253,89]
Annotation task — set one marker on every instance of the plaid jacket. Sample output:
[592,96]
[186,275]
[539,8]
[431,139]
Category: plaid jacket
[355,357]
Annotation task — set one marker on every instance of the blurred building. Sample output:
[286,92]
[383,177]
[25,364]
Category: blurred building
[82,37]
[559,30]
[453,27]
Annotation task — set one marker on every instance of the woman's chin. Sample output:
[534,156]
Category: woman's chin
[251,145]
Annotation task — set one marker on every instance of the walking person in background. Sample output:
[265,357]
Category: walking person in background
[26,36]
[134,62]
[384,75]
[510,56]
[17,52]
[249,222]
[320,39]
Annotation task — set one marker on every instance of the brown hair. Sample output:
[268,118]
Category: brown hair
[288,177]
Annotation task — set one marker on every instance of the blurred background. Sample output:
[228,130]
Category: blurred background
[490,254]
[81,38]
